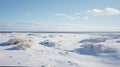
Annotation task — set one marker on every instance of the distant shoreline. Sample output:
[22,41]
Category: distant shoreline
[59,31]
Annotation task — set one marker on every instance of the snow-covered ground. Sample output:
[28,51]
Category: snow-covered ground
[60,50]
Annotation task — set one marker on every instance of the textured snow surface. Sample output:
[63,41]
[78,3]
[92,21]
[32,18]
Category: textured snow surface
[60,49]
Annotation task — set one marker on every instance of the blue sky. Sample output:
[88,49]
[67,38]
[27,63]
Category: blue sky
[60,15]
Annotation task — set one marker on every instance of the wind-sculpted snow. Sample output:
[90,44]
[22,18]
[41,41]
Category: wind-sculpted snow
[94,49]
[21,43]
[118,41]
[114,36]
[60,49]
[94,40]
[48,43]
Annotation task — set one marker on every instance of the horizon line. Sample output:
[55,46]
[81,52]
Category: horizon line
[60,31]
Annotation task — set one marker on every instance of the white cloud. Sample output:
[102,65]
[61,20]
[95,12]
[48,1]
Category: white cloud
[85,17]
[6,25]
[106,11]
[42,26]
[68,16]
[60,14]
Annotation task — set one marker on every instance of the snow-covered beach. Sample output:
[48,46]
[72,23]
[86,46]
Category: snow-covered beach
[60,49]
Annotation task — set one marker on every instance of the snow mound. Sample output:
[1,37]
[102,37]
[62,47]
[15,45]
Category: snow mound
[94,40]
[21,42]
[95,47]
[48,43]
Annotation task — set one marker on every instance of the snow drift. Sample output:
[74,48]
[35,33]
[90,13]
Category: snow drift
[22,42]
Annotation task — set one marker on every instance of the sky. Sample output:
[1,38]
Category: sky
[59,15]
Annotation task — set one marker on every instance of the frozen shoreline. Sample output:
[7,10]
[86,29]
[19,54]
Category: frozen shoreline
[61,49]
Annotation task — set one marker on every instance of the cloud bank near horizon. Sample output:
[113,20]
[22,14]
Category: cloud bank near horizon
[40,26]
